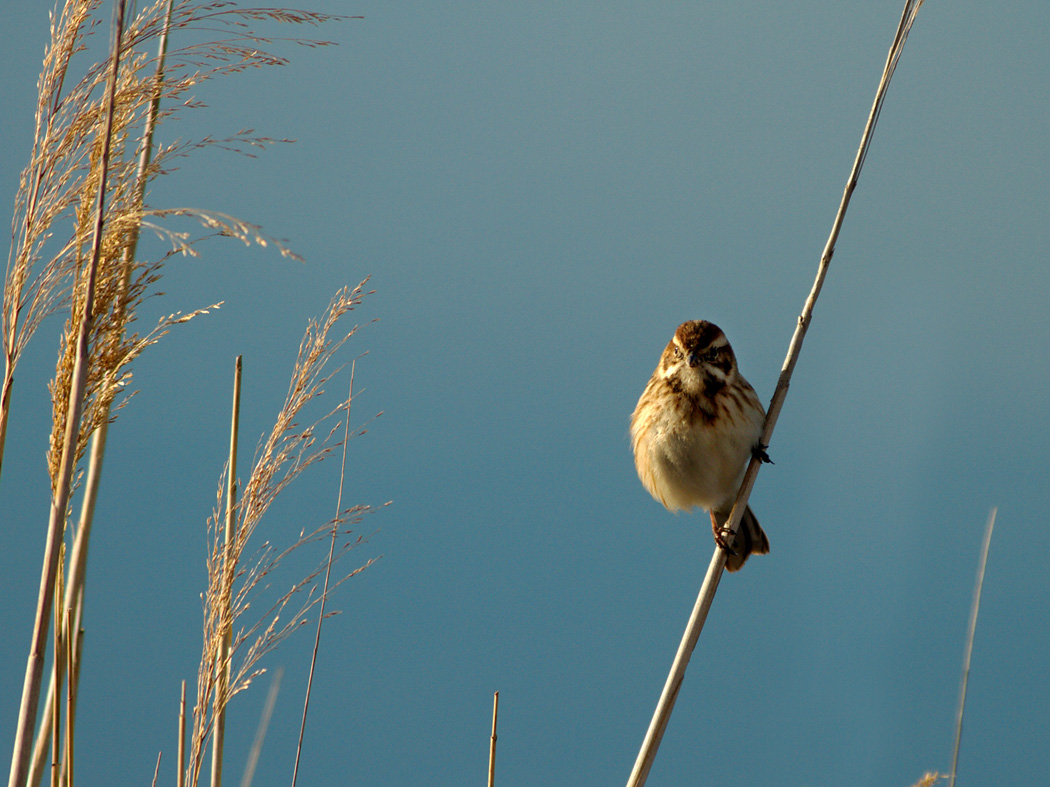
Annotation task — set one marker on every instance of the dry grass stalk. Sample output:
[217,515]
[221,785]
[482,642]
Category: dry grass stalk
[181,747]
[971,631]
[71,692]
[492,741]
[235,582]
[223,677]
[57,669]
[662,714]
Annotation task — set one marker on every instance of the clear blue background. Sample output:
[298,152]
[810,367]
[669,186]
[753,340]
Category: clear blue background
[541,192]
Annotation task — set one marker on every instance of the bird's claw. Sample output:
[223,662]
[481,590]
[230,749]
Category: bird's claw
[721,536]
[759,452]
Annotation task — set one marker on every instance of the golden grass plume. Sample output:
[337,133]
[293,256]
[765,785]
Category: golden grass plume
[236,575]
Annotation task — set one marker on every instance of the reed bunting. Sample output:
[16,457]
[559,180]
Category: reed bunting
[694,429]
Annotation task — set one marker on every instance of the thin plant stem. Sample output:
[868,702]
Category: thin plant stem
[156,770]
[60,500]
[492,741]
[327,575]
[223,682]
[971,630]
[665,705]
[5,404]
[658,724]
[71,694]
[264,725]
[56,716]
[181,748]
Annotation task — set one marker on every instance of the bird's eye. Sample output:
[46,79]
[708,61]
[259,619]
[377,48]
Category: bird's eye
[677,353]
[711,355]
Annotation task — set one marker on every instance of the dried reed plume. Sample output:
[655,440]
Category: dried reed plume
[79,211]
[54,208]
[234,579]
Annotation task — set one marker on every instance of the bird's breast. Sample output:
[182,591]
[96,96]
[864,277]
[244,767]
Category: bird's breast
[699,464]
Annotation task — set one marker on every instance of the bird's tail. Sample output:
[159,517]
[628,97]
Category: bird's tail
[750,538]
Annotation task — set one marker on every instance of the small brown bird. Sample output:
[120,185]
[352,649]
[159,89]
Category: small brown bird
[695,426]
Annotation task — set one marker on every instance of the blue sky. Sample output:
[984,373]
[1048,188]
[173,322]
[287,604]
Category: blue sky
[541,192]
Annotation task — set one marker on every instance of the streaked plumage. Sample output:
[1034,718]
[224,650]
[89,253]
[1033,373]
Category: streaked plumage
[694,429]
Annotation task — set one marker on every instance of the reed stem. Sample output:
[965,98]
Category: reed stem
[222,684]
[661,716]
[492,741]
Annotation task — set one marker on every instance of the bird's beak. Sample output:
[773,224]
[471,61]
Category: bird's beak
[693,359]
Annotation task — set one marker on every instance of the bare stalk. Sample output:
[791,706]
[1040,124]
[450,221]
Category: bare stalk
[327,575]
[492,741]
[56,729]
[181,765]
[665,705]
[222,684]
[60,500]
[71,693]
[971,630]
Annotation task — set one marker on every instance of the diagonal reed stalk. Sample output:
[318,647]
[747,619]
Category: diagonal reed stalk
[971,630]
[665,705]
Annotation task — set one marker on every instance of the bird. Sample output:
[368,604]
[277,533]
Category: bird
[695,427]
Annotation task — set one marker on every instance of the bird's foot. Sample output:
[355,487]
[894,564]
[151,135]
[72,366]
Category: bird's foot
[722,536]
[759,452]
